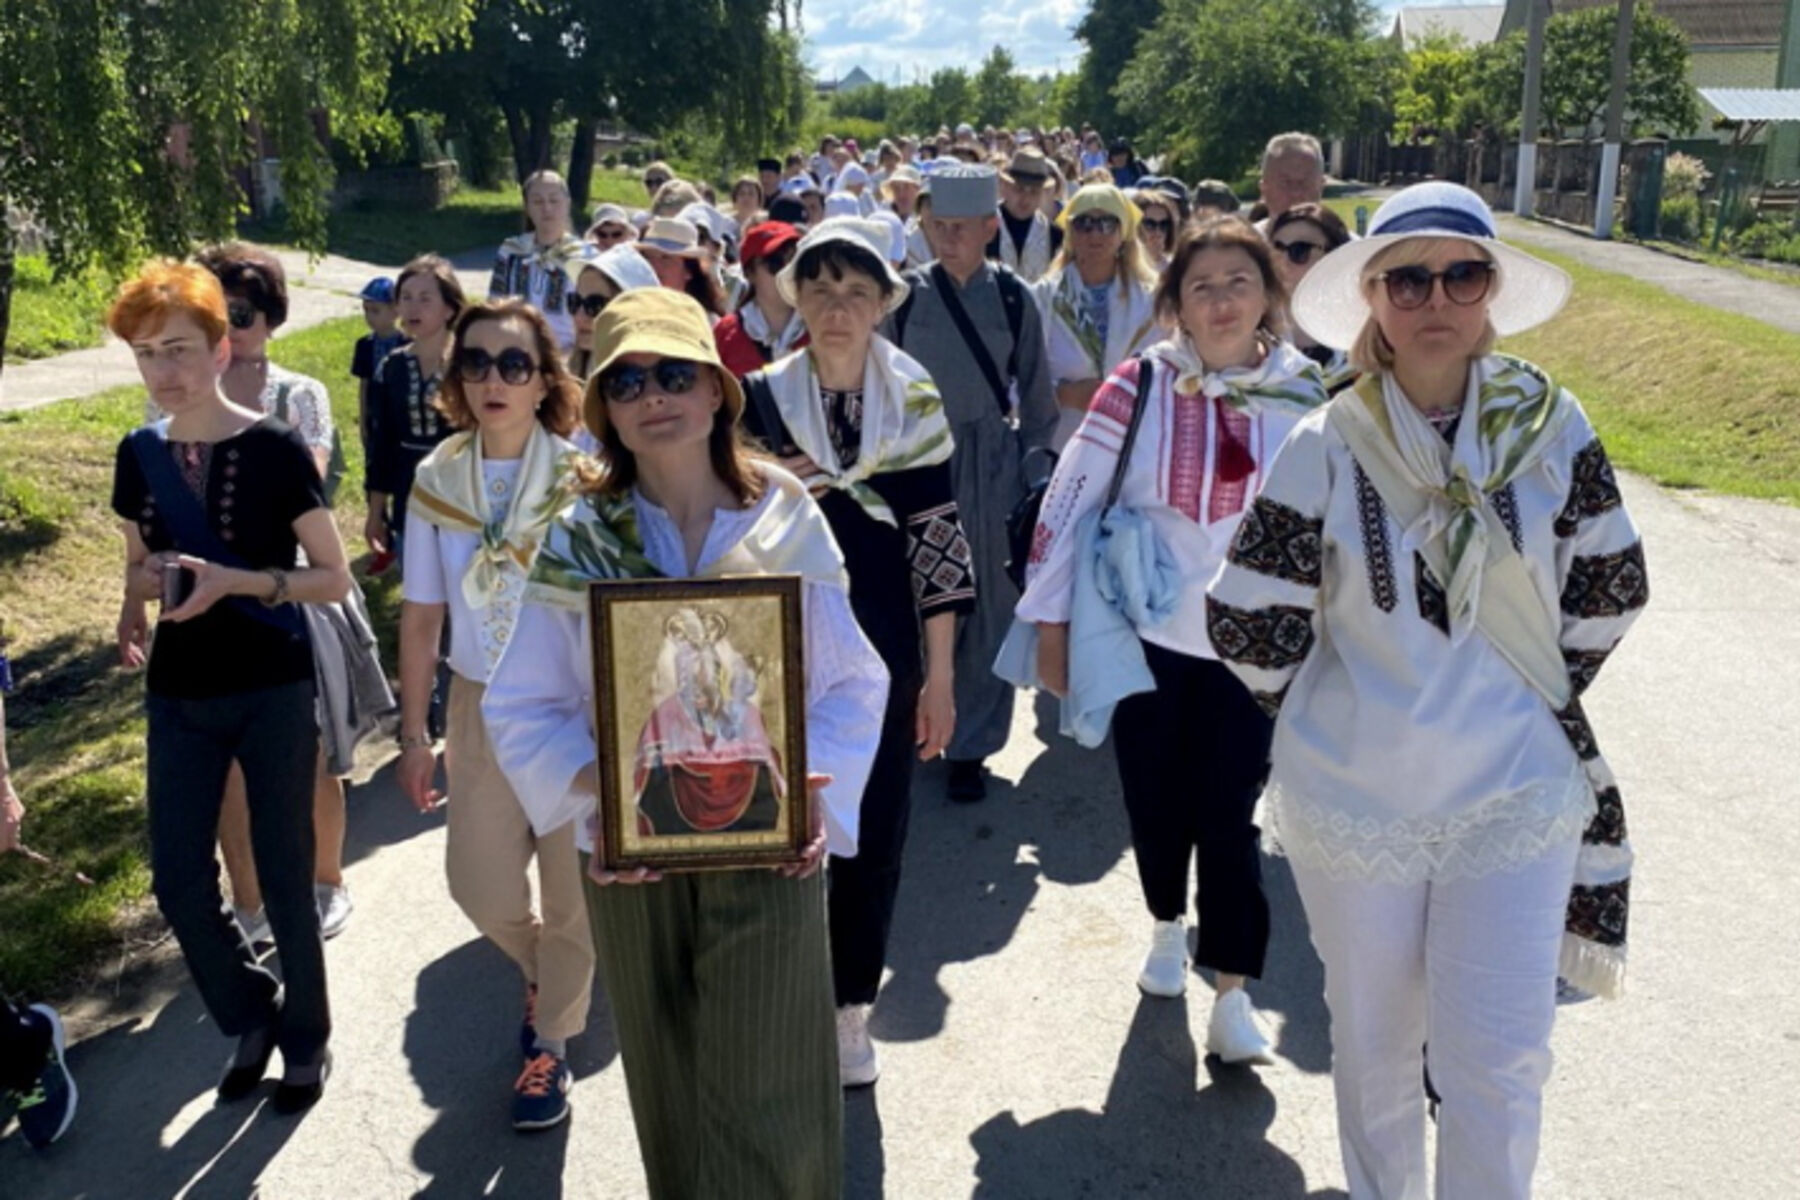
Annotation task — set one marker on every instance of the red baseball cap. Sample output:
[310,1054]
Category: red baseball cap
[766,238]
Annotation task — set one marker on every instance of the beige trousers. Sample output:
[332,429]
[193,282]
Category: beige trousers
[488,861]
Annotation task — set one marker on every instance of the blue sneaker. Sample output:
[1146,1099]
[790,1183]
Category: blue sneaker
[541,1095]
[46,1110]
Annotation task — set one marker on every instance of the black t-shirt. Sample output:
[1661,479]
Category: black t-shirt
[258,483]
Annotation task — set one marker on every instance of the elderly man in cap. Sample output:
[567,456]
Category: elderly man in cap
[972,325]
[1026,240]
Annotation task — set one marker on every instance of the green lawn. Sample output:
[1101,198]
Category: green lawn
[50,316]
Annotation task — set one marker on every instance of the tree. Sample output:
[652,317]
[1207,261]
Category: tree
[1110,31]
[999,90]
[122,123]
[1432,85]
[949,99]
[1215,79]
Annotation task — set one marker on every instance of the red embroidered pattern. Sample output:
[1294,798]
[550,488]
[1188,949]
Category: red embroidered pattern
[1113,400]
[1187,457]
[1233,464]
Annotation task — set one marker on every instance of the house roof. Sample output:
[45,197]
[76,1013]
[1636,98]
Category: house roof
[1708,23]
[1475,24]
[1754,104]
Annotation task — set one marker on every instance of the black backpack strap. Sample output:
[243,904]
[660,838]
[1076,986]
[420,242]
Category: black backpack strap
[185,517]
[901,314]
[940,279]
[1012,299]
[1131,427]
[763,418]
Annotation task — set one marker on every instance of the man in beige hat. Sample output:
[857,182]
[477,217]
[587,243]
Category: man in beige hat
[1026,240]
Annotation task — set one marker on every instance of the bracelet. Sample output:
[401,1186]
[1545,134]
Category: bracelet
[280,595]
[413,741]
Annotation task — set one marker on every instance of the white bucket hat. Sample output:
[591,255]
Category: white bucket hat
[864,234]
[1330,305]
[672,235]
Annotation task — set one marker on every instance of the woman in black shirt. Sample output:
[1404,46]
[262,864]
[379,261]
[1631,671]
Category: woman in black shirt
[215,502]
[863,424]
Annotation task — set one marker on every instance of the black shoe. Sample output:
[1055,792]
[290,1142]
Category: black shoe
[968,780]
[240,1080]
[293,1098]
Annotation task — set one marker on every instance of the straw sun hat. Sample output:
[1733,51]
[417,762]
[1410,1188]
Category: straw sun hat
[1330,303]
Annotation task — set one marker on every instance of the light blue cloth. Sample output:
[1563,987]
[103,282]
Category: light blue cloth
[1125,580]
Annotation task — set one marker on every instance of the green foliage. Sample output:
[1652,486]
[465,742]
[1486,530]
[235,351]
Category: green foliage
[1213,82]
[1684,175]
[51,315]
[1432,82]
[1681,218]
[1775,240]
[1110,30]
[999,90]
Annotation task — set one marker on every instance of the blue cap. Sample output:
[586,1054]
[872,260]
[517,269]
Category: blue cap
[379,289]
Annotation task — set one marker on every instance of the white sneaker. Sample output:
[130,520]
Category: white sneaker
[858,1065]
[335,907]
[255,926]
[1166,967]
[1233,1032]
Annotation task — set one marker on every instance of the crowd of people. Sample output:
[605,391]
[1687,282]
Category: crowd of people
[1019,411]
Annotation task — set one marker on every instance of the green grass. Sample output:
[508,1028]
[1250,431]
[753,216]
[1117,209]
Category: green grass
[389,235]
[75,726]
[50,316]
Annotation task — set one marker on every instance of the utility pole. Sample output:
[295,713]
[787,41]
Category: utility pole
[1615,122]
[1525,186]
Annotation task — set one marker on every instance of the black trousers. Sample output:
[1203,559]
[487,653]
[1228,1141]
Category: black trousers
[24,1048]
[1192,758]
[863,889]
[274,734]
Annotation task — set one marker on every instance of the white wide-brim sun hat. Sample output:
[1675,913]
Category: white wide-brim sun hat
[862,232]
[1331,306]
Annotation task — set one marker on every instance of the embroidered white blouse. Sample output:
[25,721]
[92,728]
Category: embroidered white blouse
[1399,754]
[436,559]
[539,702]
[307,407]
[1172,478]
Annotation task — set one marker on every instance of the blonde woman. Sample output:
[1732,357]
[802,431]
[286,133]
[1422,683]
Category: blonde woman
[1096,302]
[1437,566]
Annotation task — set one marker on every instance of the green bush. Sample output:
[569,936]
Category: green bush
[1681,218]
[51,315]
[609,161]
[1777,241]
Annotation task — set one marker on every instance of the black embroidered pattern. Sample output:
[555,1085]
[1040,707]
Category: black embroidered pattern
[1506,507]
[1607,585]
[1276,540]
[1575,727]
[1378,548]
[1269,639]
[1593,491]
[1434,603]
[942,566]
[1608,825]
[1597,914]
[1583,666]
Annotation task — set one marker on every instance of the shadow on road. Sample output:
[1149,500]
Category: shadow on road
[462,1044]
[380,815]
[1166,1129]
[163,1135]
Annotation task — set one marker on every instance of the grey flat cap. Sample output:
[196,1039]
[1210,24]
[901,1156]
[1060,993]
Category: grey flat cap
[965,190]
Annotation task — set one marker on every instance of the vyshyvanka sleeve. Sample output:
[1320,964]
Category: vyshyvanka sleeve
[1079,484]
[846,697]
[1599,558]
[1262,606]
[537,709]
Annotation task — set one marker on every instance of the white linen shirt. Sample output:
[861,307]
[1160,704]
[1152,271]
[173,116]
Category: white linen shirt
[539,705]
[436,560]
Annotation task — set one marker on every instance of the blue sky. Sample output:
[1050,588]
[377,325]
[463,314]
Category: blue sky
[911,37]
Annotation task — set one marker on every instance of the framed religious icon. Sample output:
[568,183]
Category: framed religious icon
[700,716]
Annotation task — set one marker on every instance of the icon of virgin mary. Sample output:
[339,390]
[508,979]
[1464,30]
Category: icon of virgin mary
[705,763]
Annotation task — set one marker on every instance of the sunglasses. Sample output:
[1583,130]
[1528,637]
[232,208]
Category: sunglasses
[593,305]
[1301,253]
[1465,283]
[241,313]
[1091,224]
[625,383]
[655,181]
[1155,226]
[515,365]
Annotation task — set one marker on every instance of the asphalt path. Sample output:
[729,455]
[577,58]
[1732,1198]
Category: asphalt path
[1019,1059]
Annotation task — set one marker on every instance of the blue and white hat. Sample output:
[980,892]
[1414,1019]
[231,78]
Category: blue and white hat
[1330,303]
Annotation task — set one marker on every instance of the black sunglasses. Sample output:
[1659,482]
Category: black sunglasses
[515,365]
[594,304]
[241,313]
[624,383]
[1086,223]
[1465,283]
[1299,253]
[1155,226]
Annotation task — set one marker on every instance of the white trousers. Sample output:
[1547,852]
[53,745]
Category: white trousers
[1467,966]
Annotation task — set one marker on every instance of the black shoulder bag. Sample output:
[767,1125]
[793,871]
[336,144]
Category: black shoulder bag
[1021,523]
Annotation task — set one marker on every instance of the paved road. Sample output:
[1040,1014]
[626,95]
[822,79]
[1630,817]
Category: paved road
[318,291]
[1020,1060]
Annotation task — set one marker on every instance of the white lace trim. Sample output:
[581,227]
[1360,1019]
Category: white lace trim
[1499,835]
